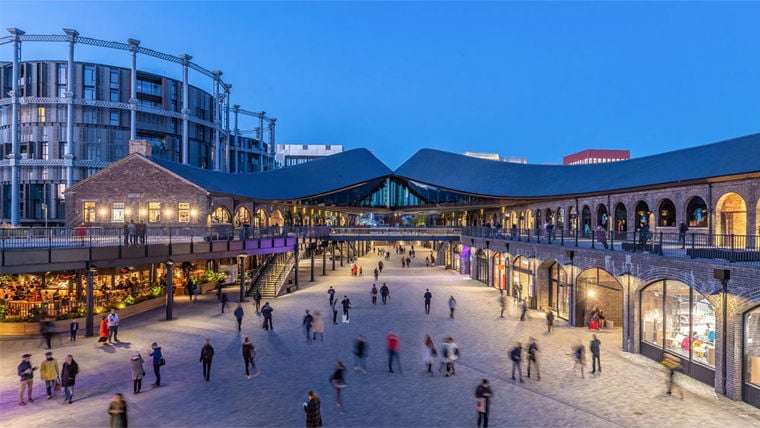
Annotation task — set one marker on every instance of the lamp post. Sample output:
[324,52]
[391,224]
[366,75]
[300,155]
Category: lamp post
[241,260]
[724,275]
[324,257]
[89,326]
[169,289]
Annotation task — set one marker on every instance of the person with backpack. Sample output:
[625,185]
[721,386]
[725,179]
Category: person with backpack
[533,357]
[682,229]
[207,354]
[238,315]
[384,292]
[516,356]
[308,323]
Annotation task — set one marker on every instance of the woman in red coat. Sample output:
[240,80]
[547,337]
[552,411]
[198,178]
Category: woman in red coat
[103,330]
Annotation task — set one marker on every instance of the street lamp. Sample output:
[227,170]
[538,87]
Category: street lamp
[724,275]
[169,288]
[241,260]
[89,326]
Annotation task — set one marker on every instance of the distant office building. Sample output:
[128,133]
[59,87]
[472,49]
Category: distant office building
[596,156]
[496,157]
[294,154]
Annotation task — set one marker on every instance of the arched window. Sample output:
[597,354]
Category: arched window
[221,215]
[667,214]
[261,218]
[242,217]
[621,218]
[560,218]
[752,347]
[602,217]
[573,219]
[696,212]
[586,219]
[642,214]
[539,223]
[276,218]
[732,215]
[549,216]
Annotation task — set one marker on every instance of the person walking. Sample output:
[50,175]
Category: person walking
[377,274]
[257,299]
[393,346]
[338,381]
[207,355]
[428,354]
[524,310]
[46,328]
[452,306]
[451,354]
[682,229]
[346,303]
[331,294]
[73,329]
[49,373]
[249,355]
[113,326]
[502,303]
[308,323]
[594,347]
[428,297]
[118,411]
[334,307]
[384,293]
[26,377]
[579,357]
[549,321]
[239,315]
[158,358]
[267,312]
[224,299]
[360,354]
[313,411]
[69,371]
[138,371]
[373,293]
[319,327]
[672,363]
[483,394]
[533,357]
[516,356]
[103,336]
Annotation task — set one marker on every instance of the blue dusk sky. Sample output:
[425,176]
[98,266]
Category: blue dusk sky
[539,80]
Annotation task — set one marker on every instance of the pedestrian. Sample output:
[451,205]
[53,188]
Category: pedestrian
[393,346]
[672,363]
[361,271]
[516,356]
[682,229]
[377,274]
[452,306]
[238,315]
[103,330]
[219,291]
[579,357]
[524,310]
[224,301]
[69,371]
[334,306]
[46,328]
[594,347]
[346,303]
[267,312]
[308,323]
[249,355]
[428,354]
[207,354]
[26,377]
[113,326]
[428,296]
[319,327]
[132,229]
[138,371]
[257,299]
[331,294]
[384,292]
[483,394]
[49,373]
[601,236]
[360,354]
[450,354]
[158,361]
[118,411]
[502,303]
[549,320]
[533,357]
[373,293]
[313,411]
[73,329]
[338,382]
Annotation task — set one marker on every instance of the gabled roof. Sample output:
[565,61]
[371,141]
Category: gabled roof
[318,177]
[465,174]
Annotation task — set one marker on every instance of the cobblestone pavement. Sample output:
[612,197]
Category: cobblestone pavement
[629,393]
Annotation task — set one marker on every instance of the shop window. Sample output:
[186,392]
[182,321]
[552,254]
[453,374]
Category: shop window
[651,314]
[117,212]
[220,215]
[183,212]
[667,214]
[752,347]
[88,212]
[703,331]
[696,212]
[154,212]
[679,336]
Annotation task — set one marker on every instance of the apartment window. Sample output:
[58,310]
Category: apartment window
[327,147]
[62,74]
[61,149]
[117,212]
[114,117]
[154,212]
[41,116]
[90,115]
[305,147]
[114,78]
[88,212]
[44,150]
[183,212]
[115,95]
[89,82]
[89,93]
[61,91]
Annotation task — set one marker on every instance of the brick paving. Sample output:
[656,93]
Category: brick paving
[629,393]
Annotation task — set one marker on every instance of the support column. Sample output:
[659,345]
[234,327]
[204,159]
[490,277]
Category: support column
[185,109]
[236,142]
[217,124]
[68,157]
[89,324]
[133,45]
[261,140]
[227,162]
[169,289]
[15,156]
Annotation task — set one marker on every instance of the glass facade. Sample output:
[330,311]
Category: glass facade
[752,347]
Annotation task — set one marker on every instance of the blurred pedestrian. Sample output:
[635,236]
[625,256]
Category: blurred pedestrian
[579,357]
[118,411]
[308,324]
[672,363]
[138,371]
[516,356]
[207,355]
[483,395]
[533,357]
[452,306]
[224,300]
[393,346]
[334,307]
[549,320]
[338,381]
[502,303]
[249,355]
[360,354]
[313,411]
[319,326]
[524,310]
[429,353]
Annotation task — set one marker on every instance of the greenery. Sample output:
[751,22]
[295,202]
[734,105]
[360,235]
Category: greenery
[211,276]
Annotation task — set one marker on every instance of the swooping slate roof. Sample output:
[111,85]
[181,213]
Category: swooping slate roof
[508,180]
[321,176]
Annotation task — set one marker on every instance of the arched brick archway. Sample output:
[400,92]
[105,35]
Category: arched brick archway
[731,215]
[597,289]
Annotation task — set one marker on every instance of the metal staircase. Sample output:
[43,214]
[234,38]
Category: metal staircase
[273,276]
